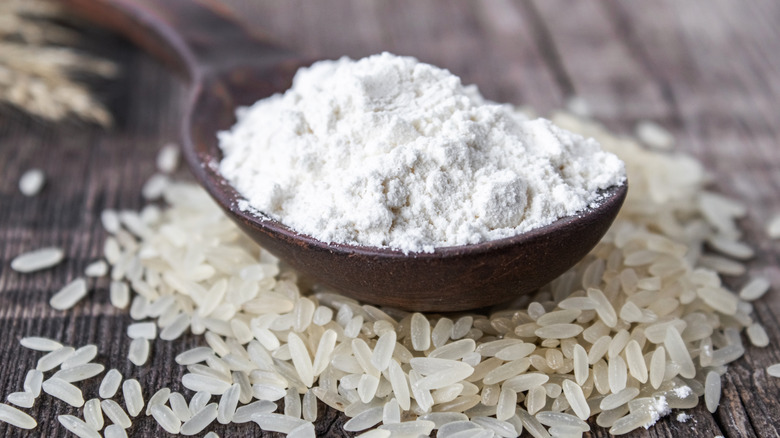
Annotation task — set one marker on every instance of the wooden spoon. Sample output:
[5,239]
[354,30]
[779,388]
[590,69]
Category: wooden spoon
[229,65]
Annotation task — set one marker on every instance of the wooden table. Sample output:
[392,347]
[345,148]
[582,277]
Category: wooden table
[709,71]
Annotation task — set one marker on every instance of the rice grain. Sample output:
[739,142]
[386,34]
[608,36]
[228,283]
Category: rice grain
[64,391]
[115,413]
[37,260]
[77,426]
[69,295]
[133,394]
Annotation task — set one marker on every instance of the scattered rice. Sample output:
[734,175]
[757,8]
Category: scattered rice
[200,420]
[79,372]
[32,382]
[31,182]
[712,391]
[159,398]
[773,370]
[21,399]
[81,356]
[134,399]
[754,289]
[37,260]
[138,353]
[579,106]
[64,391]
[143,330]
[155,187]
[17,418]
[69,295]
[110,220]
[654,135]
[93,414]
[115,431]
[98,268]
[166,418]
[55,358]
[77,426]
[40,344]
[229,402]
[168,158]
[773,228]
[115,413]
[110,384]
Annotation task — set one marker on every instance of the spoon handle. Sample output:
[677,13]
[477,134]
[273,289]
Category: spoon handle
[199,38]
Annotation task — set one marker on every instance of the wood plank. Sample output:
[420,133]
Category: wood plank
[602,70]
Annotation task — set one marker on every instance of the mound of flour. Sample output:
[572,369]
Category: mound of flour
[387,151]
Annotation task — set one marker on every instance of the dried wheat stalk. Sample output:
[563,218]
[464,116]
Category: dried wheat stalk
[36,70]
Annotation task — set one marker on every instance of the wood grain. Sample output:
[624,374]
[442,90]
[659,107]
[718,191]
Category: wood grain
[706,70]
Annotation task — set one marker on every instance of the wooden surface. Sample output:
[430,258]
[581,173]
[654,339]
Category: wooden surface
[706,70]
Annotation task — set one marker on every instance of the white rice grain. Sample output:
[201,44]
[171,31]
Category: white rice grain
[21,399]
[98,268]
[414,428]
[77,426]
[773,370]
[364,420]
[712,391]
[79,372]
[301,359]
[31,182]
[110,220]
[69,295]
[166,418]
[110,384]
[576,399]
[305,430]
[159,398]
[383,351]
[115,413]
[754,289]
[654,135]
[81,356]
[155,186]
[679,354]
[277,422]
[200,420]
[64,391]
[228,403]
[420,332]
[138,353]
[244,414]
[40,344]
[93,414]
[134,398]
[168,158]
[757,334]
[209,384]
[145,330]
[115,431]
[32,382]
[17,418]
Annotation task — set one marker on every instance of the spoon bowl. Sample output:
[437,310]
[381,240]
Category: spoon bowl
[229,67]
[449,279]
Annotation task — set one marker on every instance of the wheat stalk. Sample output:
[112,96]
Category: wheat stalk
[36,70]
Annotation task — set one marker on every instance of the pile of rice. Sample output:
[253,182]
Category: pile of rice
[641,326]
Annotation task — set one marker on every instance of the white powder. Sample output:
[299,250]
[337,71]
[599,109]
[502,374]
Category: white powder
[683,417]
[391,152]
[658,410]
[683,391]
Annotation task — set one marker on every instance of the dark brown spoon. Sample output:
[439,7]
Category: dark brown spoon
[228,66]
